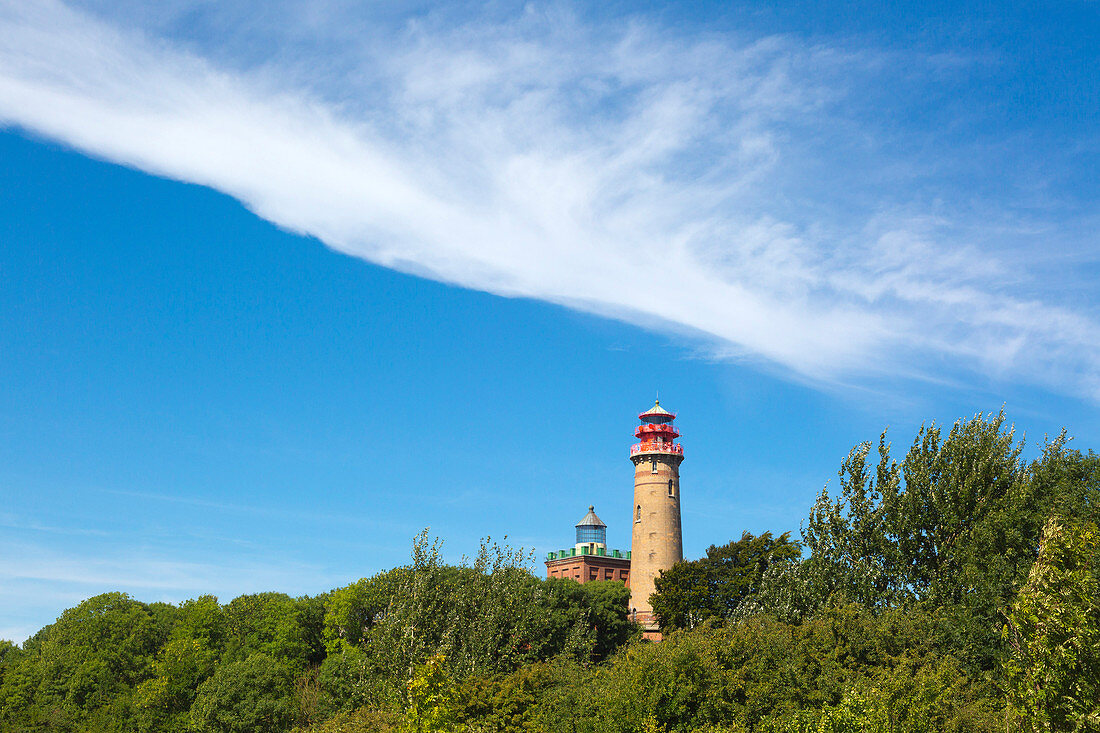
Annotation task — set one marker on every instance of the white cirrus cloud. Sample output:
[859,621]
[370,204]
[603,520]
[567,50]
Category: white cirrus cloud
[723,187]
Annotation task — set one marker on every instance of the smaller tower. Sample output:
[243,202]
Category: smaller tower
[589,559]
[591,533]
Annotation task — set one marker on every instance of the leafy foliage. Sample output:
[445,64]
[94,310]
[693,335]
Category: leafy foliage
[714,587]
[953,527]
[188,658]
[255,695]
[352,611]
[273,624]
[361,720]
[763,674]
[430,705]
[84,666]
[1053,630]
[509,703]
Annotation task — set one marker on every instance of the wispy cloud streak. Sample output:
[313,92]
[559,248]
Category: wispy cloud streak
[659,180]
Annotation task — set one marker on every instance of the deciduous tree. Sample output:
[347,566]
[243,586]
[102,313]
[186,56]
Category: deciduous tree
[1053,632]
[714,586]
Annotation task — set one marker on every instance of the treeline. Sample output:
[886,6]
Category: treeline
[957,589]
[268,662]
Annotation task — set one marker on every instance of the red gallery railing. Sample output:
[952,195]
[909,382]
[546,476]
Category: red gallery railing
[657,448]
[660,428]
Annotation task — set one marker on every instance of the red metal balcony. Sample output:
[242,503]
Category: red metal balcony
[655,447]
[665,429]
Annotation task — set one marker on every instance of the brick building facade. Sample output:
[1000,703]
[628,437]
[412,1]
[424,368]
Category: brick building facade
[586,568]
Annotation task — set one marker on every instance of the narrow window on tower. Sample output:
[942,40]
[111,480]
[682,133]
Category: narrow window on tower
[670,493]
[653,465]
[638,514]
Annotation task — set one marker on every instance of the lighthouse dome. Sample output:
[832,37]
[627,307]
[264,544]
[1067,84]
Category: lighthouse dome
[590,519]
[657,414]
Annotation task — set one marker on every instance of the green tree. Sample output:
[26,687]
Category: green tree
[255,695]
[190,656]
[851,554]
[273,624]
[363,720]
[9,652]
[162,703]
[1053,631]
[351,611]
[759,674]
[956,490]
[954,527]
[311,618]
[349,679]
[584,621]
[855,713]
[507,703]
[81,669]
[713,587]
[482,618]
[430,705]
[608,603]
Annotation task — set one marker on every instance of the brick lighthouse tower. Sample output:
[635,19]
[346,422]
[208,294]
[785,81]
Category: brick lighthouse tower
[656,543]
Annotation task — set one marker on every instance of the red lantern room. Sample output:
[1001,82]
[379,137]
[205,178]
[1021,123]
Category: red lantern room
[657,432]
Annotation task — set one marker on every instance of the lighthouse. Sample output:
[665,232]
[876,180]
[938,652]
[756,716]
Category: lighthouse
[656,542]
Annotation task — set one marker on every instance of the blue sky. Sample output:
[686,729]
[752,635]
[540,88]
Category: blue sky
[282,287]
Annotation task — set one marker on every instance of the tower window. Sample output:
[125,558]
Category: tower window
[653,465]
[670,491]
[638,514]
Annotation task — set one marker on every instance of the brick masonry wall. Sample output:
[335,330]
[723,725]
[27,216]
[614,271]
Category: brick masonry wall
[656,542]
[587,568]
